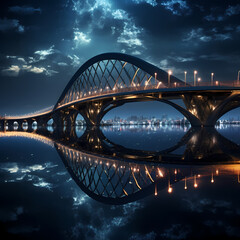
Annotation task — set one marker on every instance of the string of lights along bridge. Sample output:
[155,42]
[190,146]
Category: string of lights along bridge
[110,80]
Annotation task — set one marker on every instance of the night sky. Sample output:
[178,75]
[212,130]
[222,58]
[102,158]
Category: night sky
[43,43]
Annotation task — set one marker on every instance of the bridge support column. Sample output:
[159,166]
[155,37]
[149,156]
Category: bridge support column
[10,125]
[209,107]
[71,123]
[30,122]
[58,121]
[42,122]
[92,112]
[20,125]
[2,125]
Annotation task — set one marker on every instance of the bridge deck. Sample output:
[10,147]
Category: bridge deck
[131,91]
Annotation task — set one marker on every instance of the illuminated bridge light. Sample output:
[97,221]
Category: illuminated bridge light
[34,136]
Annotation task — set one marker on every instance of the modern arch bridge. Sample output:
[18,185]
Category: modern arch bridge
[110,80]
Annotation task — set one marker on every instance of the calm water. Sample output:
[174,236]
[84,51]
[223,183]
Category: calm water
[121,183]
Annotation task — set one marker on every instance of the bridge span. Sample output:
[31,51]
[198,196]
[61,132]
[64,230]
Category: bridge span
[110,80]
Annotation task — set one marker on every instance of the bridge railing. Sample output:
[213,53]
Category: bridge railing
[159,85]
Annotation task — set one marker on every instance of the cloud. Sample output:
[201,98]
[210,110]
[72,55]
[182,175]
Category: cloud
[230,11]
[62,64]
[199,35]
[211,18]
[120,14]
[38,70]
[176,231]
[222,37]
[12,71]
[11,24]
[149,236]
[75,60]
[150,2]
[81,38]
[103,16]
[233,10]
[35,69]
[24,10]
[11,57]
[130,35]
[136,52]
[44,53]
[177,7]
[183,59]
[21,60]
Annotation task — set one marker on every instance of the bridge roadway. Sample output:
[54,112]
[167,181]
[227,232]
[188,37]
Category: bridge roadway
[110,80]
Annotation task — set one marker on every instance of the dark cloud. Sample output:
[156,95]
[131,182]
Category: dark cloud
[24,9]
[11,24]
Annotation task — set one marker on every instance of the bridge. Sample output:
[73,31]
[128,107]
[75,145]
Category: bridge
[110,80]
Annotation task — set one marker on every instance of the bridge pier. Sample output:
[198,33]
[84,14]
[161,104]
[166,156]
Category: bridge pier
[92,112]
[29,123]
[41,122]
[58,121]
[20,125]
[2,125]
[209,107]
[10,125]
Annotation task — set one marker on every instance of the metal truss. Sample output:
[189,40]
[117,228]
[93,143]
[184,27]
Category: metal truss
[108,76]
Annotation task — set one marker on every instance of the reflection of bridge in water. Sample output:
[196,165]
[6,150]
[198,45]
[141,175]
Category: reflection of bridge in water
[110,80]
[114,174]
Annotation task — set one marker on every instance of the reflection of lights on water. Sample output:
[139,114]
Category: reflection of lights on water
[212,180]
[195,181]
[160,173]
[169,187]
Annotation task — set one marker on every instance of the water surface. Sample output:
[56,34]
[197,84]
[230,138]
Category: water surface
[68,190]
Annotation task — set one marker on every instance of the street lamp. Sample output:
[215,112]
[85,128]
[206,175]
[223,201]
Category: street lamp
[238,77]
[185,77]
[155,78]
[212,75]
[169,76]
[199,79]
[216,83]
[195,75]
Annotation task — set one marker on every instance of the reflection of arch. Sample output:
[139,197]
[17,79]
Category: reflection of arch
[120,182]
[107,72]
[201,146]
[113,182]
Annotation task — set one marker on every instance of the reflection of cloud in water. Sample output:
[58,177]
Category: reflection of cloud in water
[176,231]
[79,198]
[28,173]
[14,168]
[10,215]
[148,236]
[196,204]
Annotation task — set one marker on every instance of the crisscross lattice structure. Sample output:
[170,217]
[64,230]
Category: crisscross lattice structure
[113,73]
[108,178]
[105,77]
